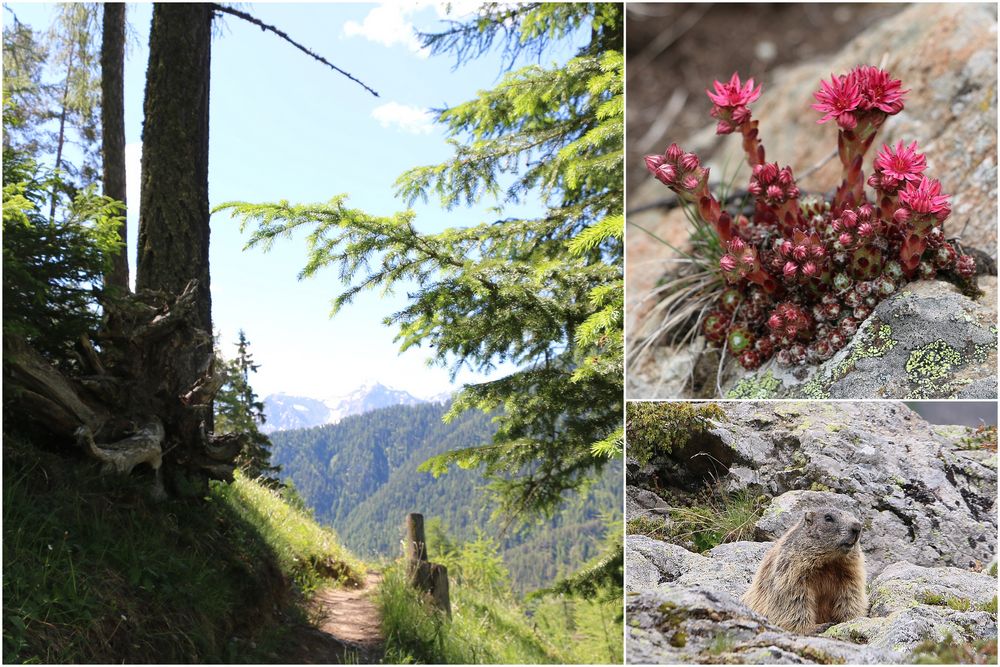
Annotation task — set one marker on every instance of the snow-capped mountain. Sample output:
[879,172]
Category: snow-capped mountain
[368,398]
[284,412]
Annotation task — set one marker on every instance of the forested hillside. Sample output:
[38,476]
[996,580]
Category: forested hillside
[361,477]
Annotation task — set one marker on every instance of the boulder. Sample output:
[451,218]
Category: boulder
[690,611]
[650,562]
[921,495]
[911,605]
[903,585]
[928,341]
[681,625]
[642,503]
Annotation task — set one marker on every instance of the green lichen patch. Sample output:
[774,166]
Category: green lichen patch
[929,368]
[756,387]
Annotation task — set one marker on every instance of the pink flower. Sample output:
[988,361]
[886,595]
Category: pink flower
[925,197]
[730,103]
[733,94]
[878,89]
[839,99]
[902,164]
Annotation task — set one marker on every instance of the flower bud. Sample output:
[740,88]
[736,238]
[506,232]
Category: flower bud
[689,182]
[673,153]
[965,265]
[667,174]
[689,161]
[724,127]
[653,162]
[741,114]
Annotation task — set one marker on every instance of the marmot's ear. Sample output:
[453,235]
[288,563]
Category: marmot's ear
[810,515]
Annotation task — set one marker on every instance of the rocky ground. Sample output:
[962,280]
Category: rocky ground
[946,56]
[927,499]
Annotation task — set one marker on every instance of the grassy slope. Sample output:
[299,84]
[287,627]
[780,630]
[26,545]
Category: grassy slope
[487,629]
[94,572]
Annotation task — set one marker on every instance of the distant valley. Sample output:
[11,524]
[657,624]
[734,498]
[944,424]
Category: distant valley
[360,476]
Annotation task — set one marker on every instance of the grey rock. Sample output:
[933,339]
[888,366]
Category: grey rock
[683,625]
[912,604]
[927,341]
[903,585]
[728,568]
[921,496]
[646,504]
[649,562]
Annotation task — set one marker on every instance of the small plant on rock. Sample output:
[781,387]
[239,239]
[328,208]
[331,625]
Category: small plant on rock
[800,273]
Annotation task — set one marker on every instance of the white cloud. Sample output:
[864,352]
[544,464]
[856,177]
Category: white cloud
[413,120]
[390,23]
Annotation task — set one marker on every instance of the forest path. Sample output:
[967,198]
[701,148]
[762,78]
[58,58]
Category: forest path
[348,627]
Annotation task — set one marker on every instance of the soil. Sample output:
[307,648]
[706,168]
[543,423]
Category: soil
[347,628]
[675,51]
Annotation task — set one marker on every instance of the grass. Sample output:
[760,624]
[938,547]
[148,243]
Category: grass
[304,550]
[950,652]
[652,528]
[488,630]
[724,517]
[95,572]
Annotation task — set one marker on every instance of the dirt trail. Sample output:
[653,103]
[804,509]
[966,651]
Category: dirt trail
[348,630]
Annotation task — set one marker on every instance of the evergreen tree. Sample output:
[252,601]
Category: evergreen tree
[237,410]
[544,293]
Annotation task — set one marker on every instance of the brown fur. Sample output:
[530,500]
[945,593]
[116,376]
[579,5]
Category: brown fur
[813,575]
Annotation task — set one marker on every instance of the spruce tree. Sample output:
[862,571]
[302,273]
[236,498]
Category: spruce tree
[543,293]
[237,410]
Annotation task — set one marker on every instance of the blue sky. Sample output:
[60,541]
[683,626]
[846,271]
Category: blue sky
[285,127]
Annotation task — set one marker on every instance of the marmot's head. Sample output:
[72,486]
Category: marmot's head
[834,529]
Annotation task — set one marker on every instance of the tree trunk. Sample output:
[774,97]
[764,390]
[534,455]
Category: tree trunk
[113,128]
[174,220]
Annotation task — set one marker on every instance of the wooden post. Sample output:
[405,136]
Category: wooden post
[416,543]
[431,578]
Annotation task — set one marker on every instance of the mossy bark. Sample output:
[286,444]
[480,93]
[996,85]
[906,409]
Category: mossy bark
[174,218]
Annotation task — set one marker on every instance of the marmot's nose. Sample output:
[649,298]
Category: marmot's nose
[855,530]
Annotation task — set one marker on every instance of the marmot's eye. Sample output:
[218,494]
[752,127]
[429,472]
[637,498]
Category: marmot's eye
[828,518]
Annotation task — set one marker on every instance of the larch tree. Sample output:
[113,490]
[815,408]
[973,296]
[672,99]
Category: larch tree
[542,293]
[113,128]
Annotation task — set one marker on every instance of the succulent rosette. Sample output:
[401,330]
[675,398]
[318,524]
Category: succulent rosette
[803,272]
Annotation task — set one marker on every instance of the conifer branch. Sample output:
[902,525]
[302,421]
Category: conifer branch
[283,35]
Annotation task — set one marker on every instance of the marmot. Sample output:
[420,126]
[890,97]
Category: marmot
[814,574]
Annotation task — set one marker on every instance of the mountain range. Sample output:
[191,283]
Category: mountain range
[284,412]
